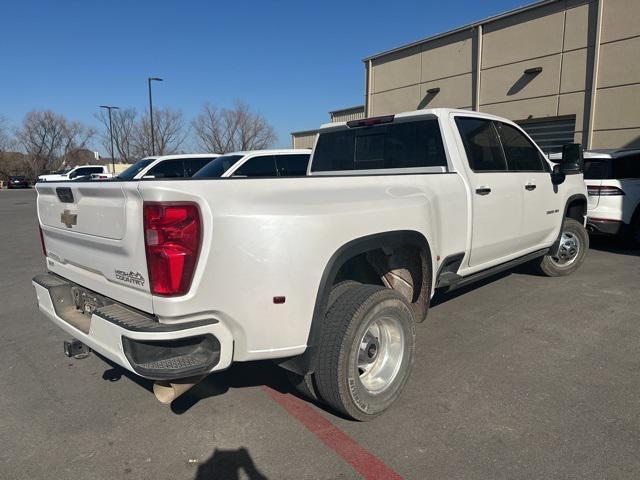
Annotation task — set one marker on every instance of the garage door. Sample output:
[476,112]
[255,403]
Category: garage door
[551,134]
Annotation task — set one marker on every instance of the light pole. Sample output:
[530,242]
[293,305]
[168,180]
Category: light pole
[153,142]
[113,158]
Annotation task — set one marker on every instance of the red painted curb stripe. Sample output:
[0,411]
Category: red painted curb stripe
[364,462]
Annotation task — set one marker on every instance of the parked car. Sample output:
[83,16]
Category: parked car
[258,163]
[77,172]
[167,166]
[17,181]
[326,274]
[613,187]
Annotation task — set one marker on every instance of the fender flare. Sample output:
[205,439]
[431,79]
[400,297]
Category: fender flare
[306,362]
[578,196]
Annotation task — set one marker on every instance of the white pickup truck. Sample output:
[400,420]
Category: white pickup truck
[90,171]
[327,274]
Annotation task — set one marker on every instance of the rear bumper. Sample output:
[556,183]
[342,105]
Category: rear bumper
[132,339]
[606,226]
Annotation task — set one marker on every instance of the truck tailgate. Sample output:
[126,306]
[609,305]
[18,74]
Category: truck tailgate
[93,236]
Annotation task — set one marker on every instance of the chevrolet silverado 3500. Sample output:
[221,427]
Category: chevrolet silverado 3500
[327,274]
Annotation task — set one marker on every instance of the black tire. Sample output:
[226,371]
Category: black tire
[305,385]
[339,289]
[337,374]
[566,263]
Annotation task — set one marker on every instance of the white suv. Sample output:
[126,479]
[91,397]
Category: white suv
[167,166]
[613,186]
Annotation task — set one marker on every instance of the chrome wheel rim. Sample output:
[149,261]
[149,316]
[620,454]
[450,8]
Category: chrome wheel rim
[568,251]
[380,354]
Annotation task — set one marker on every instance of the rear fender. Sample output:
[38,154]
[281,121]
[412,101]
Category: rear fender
[306,362]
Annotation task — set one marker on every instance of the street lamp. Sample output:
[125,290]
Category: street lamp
[153,142]
[113,158]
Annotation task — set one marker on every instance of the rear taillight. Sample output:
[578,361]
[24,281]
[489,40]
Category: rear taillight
[172,241]
[603,190]
[44,249]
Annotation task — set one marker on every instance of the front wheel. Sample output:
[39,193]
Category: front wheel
[574,243]
[366,352]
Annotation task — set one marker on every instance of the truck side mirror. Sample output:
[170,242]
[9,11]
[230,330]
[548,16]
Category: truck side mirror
[572,158]
[558,176]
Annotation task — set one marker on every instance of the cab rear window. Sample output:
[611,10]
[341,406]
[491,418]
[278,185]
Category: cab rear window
[389,146]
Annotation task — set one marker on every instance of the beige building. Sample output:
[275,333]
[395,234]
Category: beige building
[566,70]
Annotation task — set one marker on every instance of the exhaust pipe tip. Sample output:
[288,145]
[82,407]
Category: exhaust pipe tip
[167,391]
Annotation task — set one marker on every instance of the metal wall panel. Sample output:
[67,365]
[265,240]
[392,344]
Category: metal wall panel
[394,101]
[455,92]
[617,107]
[577,30]
[303,139]
[627,138]
[620,19]
[510,82]
[530,34]
[575,70]
[620,63]
[396,70]
[347,114]
[447,57]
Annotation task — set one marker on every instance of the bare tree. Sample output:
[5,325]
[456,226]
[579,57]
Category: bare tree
[227,130]
[169,133]
[124,133]
[48,139]
[11,162]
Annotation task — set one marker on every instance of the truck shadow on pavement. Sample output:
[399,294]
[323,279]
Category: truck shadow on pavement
[622,246]
[239,375]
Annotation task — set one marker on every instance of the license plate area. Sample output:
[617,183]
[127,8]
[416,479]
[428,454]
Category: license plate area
[86,301]
[75,305]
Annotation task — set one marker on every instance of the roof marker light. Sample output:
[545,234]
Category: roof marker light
[369,122]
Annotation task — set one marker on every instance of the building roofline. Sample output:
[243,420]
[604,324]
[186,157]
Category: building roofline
[340,110]
[461,29]
[302,132]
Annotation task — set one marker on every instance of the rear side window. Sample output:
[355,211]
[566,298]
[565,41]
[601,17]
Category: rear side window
[596,169]
[86,171]
[135,169]
[522,155]
[263,166]
[627,167]
[167,169]
[396,145]
[481,144]
[218,166]
[292,165]
[192,165]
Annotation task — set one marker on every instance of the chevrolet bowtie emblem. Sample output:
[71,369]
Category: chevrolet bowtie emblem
[69,218]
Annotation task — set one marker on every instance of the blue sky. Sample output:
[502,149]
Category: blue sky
[292,61]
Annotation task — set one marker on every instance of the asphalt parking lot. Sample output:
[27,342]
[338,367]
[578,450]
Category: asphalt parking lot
[518,377]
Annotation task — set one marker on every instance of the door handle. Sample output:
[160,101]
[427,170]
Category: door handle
[483,190]
[530,186]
